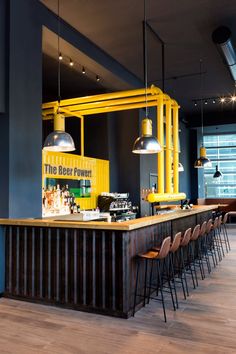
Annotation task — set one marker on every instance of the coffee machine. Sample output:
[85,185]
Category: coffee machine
[118,205]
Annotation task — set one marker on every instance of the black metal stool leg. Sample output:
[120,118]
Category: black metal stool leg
[136,287]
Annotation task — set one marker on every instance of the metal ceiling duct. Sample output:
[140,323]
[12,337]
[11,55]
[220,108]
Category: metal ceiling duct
[222,38]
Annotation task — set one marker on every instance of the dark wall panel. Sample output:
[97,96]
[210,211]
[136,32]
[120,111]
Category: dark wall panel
[25,97]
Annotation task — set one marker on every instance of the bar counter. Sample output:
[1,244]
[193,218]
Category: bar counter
[88,266]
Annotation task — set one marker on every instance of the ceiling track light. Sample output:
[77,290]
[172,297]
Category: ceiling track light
[71,62]
[233,98]
[97,78]
[60,57]
[83,70]
[214,100]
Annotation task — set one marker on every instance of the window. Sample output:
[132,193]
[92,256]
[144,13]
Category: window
[221,150]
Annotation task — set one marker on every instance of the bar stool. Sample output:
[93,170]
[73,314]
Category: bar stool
[183,253]
[172,265]
[159,258]
[210,246]
[202,246]
[174,262]
[216,240]
[225,232]
[194,256]
[219,234]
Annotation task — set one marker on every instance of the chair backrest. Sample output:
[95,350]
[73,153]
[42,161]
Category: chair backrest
[195,233]
[225,218]
[219,221]
[203,228]
[186,238]
[215,223]
[209,226]
[176,242]
[165,247]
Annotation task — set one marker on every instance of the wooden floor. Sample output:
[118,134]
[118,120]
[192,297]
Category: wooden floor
[205,323]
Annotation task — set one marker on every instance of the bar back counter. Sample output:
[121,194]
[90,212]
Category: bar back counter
[88,266]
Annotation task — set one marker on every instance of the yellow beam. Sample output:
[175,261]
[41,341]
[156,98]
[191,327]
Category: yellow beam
[117,108]
[165,197]
[105,96]
[110,103]
[69,113]
[176,148]
[168,151]
[82,136]
[160,137]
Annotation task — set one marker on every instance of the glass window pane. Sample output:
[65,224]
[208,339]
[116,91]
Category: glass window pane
[221,149]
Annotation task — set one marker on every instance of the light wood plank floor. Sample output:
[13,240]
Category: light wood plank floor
[205,323]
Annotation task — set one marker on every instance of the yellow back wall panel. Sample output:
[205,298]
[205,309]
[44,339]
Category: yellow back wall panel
[74,170]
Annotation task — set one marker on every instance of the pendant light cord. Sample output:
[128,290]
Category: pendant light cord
[145,54]
[58,54]
[201,92]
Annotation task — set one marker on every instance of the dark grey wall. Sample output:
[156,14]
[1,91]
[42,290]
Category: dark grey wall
[2,55]
[96,136]
[21,125]
[185,159]
[124,165]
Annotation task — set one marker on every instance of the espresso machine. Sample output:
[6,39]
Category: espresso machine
[118,205]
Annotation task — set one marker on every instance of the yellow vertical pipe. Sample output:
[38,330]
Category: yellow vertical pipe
[168,147]
[176,147]
[160,137]
[82,136]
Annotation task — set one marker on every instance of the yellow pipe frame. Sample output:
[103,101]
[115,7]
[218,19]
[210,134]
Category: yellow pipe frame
[160,137]
[82,136]
[176,147]
[134,99]
[168,147]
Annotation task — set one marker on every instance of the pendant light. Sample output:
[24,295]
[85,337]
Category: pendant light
[217,174]
[147,143]
[180,167]
[59,140]
[203,160]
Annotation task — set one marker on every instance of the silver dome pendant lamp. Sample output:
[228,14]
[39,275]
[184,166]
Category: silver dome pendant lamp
[147,143]
[59,140]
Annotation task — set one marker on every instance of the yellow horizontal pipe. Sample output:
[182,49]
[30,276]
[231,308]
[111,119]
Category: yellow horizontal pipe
[110,103]
[105,96]
[68,112]
[165,197]
[118,108]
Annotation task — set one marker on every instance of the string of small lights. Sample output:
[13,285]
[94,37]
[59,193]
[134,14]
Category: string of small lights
[214,100]
[85,71]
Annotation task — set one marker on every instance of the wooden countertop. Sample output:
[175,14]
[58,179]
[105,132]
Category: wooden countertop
[102,225]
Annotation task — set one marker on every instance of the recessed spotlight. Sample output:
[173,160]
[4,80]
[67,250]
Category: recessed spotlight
[233,98]
[71,63]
